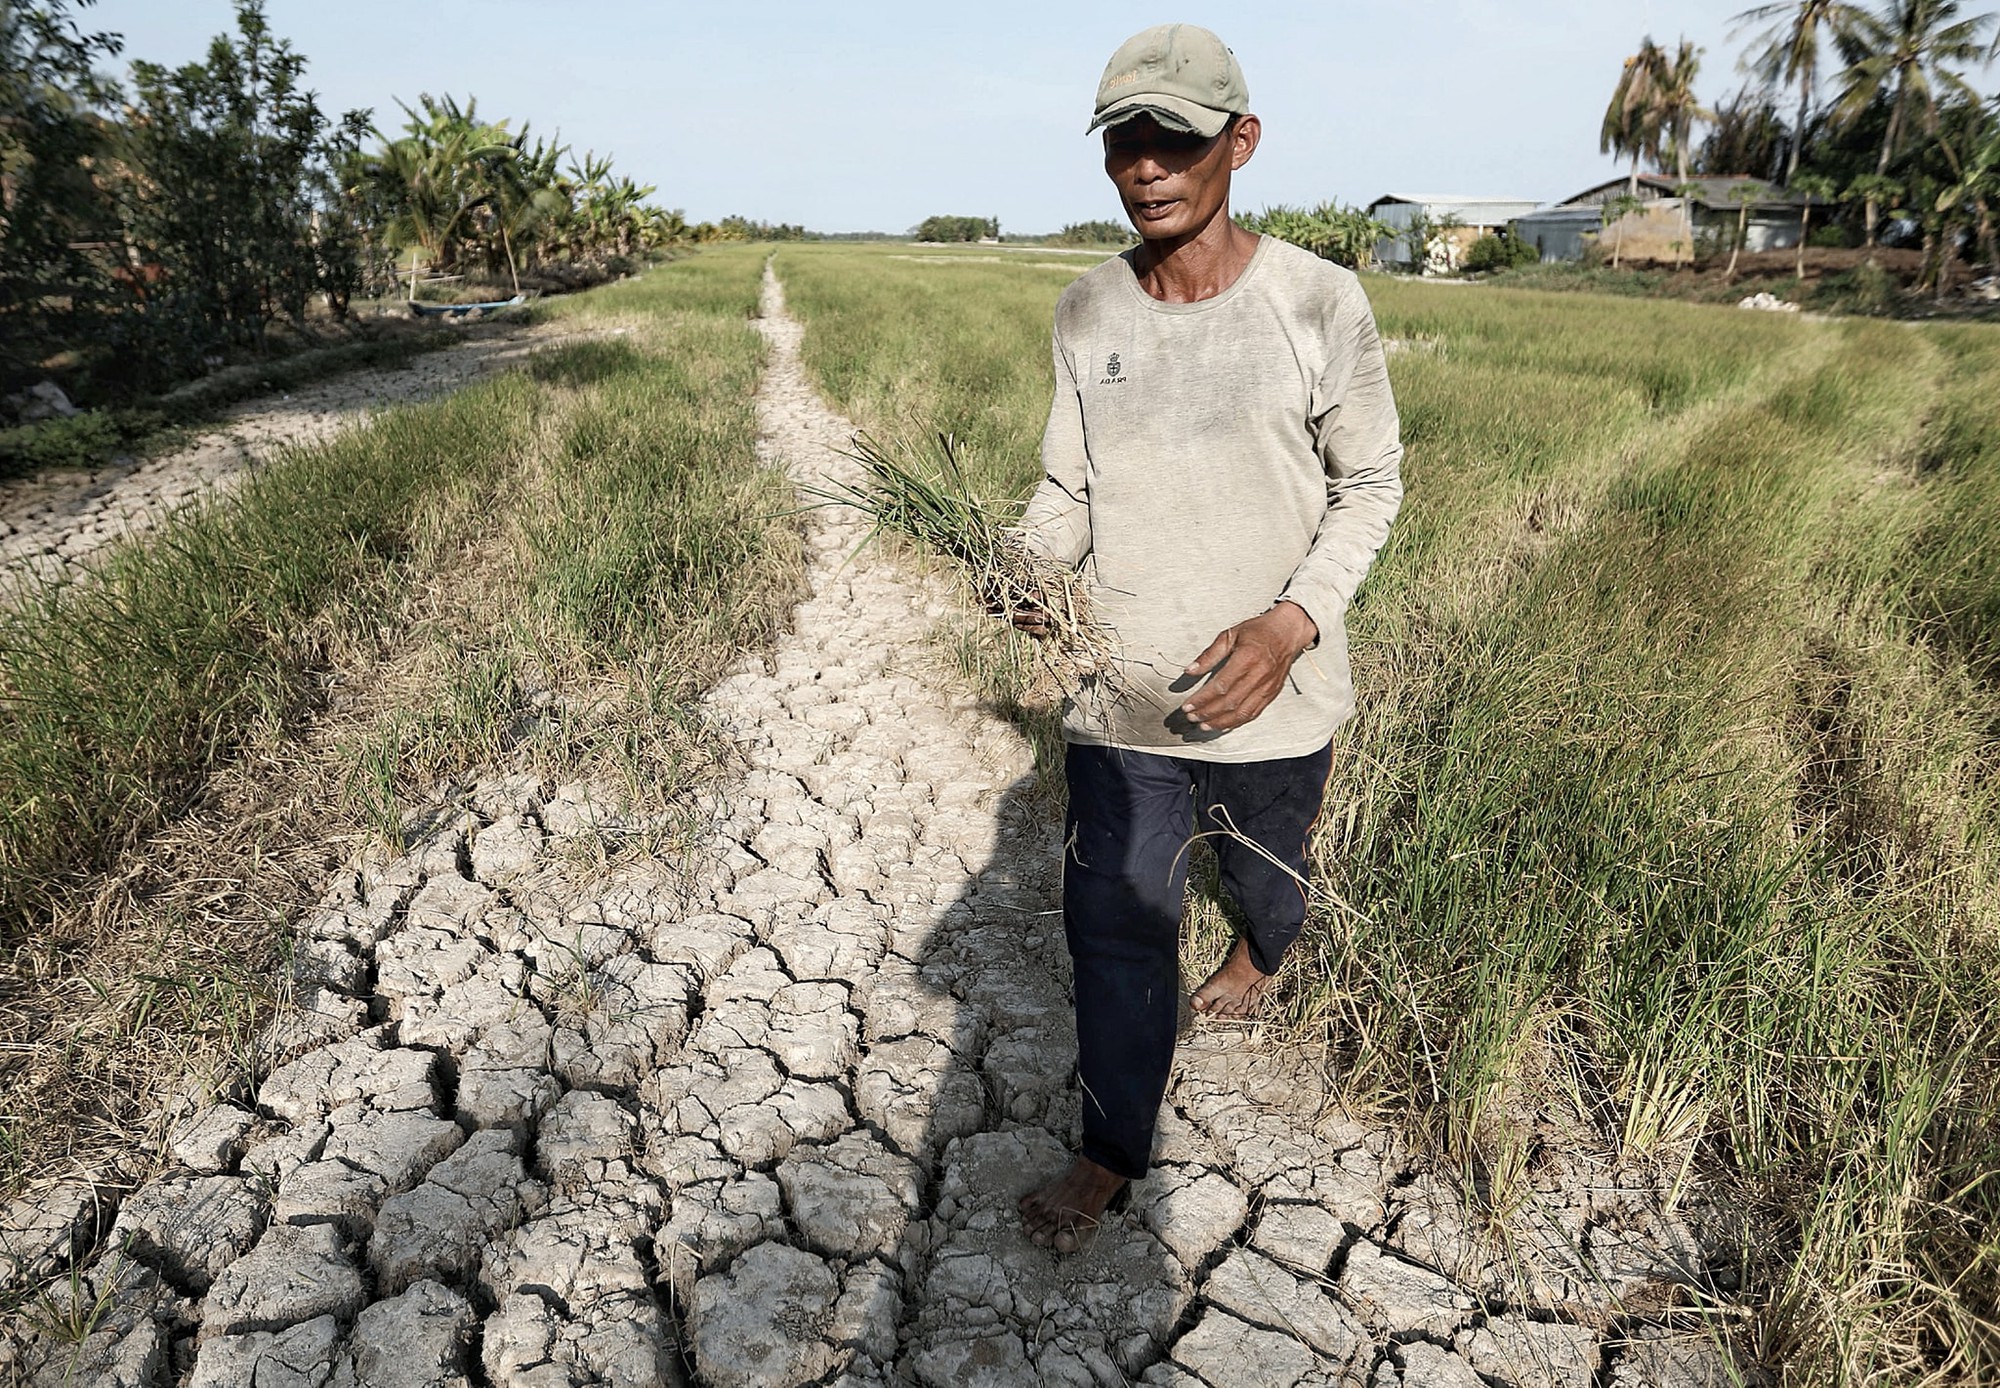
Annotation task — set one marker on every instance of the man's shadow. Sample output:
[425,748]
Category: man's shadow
[983,1303]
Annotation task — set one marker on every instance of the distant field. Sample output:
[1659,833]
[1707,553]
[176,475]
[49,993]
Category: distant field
[1668,821]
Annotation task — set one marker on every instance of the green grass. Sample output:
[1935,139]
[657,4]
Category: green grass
[94,437]
[910,348]
[1670,808]
[624,540]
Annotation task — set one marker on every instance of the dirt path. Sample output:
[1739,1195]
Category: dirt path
[51,524]
[762,1121]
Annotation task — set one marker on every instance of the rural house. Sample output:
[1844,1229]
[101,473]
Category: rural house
[1563,230]
[1469,218]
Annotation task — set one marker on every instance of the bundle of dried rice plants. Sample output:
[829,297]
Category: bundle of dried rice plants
[921,493]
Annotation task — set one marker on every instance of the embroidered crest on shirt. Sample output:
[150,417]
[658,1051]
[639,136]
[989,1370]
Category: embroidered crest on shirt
[1114,372]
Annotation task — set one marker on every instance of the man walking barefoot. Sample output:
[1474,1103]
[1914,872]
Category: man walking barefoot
[1222,455]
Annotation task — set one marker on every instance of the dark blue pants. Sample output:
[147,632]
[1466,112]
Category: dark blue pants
[1132,816]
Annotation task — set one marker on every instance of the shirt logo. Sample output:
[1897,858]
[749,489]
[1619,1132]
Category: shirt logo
[1113,372]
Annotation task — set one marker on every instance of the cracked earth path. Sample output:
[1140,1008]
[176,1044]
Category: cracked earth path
[760,1120]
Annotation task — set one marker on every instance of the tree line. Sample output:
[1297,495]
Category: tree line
[1868,108]
[957,229]
[153,225]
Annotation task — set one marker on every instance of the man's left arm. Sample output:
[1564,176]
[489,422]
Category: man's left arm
[1359,441]
[1360,444]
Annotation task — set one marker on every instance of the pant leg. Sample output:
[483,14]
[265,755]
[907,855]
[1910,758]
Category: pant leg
[1274,804]
[1124,869]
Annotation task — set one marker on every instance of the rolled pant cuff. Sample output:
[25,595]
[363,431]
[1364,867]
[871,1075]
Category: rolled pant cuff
[1111,1161]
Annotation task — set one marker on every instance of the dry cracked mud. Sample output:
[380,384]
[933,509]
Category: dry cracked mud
[761,1121]
[51,524]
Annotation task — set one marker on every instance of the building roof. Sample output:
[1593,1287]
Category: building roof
[1565,212]
[1710,191]
[1481,211]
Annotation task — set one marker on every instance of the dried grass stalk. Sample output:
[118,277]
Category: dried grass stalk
[922,494]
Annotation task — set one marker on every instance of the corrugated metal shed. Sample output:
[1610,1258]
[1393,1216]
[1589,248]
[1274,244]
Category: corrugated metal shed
[1775,220]
[1558,232]
[1398,208]
[1476,214]
[1707,192]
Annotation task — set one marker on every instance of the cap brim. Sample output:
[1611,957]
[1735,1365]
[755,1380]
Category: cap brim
[1174,112]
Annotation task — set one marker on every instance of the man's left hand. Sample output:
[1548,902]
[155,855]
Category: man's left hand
[1250,662]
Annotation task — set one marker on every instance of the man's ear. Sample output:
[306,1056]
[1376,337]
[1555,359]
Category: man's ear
[1244,133]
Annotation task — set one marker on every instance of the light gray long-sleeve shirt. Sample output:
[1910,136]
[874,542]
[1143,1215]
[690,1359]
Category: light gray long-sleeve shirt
[1202,462]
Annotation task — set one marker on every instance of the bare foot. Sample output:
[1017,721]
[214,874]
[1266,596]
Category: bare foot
[1236,989]
[1062,1214]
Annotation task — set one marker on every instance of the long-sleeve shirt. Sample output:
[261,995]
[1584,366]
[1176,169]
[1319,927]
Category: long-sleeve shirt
[1203,461]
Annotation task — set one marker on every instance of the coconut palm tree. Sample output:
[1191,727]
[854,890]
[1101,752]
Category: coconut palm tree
[1789,51]
[1811,187]
[1632,120]
[1904,53]
[1978,185]
[1745,196]
[1614,212]
[1678,112]
[523,195]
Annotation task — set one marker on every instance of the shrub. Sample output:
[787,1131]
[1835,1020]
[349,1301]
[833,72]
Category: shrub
[957,229]
[1498,250]
[84,440]
[1832,237]
[1345,235]
[1867,288]
[1098,233]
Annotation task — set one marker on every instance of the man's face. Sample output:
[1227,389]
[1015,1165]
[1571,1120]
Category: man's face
[1173,181]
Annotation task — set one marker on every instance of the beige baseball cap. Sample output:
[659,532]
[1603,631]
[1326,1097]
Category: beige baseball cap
[1181,75]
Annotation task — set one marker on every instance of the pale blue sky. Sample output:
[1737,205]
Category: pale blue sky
[848,117]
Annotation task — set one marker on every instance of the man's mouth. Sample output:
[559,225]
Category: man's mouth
[1154,208]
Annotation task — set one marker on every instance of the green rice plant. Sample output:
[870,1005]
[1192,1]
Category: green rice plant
[923,496]
[119,694]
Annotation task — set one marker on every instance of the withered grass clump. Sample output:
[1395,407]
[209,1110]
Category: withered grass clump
[922,494]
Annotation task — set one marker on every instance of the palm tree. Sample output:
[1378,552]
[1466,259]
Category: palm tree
[1979,184]
[436,176]
[1678,111]
[1632,120]
[1811,187]
[1614,213]
[524,194]
[1789,52]
[1745,196]
[611,213]
[1902,53]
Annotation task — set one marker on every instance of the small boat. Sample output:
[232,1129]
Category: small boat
[460,310]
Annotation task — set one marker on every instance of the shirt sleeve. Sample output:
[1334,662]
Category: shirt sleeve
[1056,522]
[1359,442]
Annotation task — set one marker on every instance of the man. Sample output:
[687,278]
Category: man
[1222,455]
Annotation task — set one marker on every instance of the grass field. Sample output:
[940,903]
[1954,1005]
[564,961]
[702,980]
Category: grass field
[552,564]
[1669,816]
